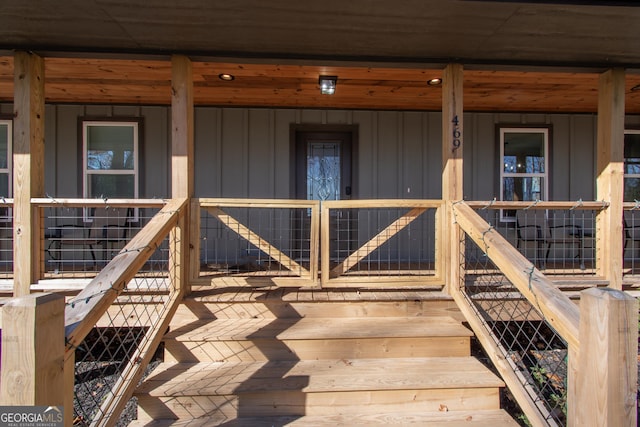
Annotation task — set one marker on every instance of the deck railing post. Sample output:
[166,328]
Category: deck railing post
[28,167]
[452,137]
[610,175]
[33,351]
[606,378]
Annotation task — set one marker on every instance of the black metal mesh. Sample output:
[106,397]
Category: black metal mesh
[255,241]
[111,351]
[392,245]
[6,241]
[535,351]
[557,241]
[631,242]
[79,242]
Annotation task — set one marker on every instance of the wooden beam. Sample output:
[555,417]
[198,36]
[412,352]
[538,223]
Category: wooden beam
[33,351]
[608,369]
[182,162]
[28,167]
[452,147]
[610,180]
[182,140]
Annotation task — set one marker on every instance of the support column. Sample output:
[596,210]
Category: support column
[452,130]
[182,166]
[607,377]
[610,180]
[33,351]
[28,167]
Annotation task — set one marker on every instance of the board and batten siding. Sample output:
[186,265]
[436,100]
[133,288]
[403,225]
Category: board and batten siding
[246,152]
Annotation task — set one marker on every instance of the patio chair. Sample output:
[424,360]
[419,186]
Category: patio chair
[534,226]
[107,228]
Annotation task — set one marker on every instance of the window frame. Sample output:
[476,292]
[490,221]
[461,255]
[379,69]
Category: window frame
[546,132]
[628,131]
[136,124]
[6,214]
[9,169]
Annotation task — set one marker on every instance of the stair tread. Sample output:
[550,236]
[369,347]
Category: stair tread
[263,294]
[318,328]
[485,418]
[315,376]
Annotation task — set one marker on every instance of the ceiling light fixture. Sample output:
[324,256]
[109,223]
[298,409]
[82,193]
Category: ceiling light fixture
[636,88]
[327,84]
[437,81]
[226,77]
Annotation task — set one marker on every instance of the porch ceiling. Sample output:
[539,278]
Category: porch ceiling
[113,51]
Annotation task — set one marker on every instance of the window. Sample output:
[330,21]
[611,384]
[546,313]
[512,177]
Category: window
[110,159]
[6,137]
[631,165]
[524,165]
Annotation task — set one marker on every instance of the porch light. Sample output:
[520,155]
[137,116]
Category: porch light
[328,84]
[437,81]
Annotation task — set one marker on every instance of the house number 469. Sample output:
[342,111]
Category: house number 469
[456,133]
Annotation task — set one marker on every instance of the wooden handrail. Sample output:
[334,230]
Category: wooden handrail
[92,203]
[557,308]
[88,306]
[541,204]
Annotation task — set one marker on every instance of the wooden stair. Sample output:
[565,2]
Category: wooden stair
[307,361]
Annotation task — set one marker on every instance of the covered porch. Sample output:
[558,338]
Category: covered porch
[222,208]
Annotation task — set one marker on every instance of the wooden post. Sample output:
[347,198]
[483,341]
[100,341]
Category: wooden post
[452,125]
[33,351]
[182,162]
[607,362]
[610,180]
[28,167]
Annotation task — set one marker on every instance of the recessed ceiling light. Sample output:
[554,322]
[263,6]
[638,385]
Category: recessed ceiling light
[435,81]
[636,88]
[226,77]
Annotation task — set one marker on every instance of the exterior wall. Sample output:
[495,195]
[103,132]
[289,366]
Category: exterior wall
[242,152]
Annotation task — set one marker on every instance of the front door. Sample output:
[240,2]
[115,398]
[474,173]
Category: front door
[323,164]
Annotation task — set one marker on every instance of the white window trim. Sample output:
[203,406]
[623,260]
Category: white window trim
[503,174]
[86,172]
[9,169]
[631,132]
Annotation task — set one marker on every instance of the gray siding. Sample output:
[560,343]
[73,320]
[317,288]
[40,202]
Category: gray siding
[244,152]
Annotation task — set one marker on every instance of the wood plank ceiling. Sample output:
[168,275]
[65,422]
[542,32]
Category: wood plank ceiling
[142,82]
[518,55]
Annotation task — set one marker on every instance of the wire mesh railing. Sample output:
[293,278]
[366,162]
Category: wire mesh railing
[520,315]
[631,235]
[559,238]
[392,240]
[144,290]
[6,238]
[254,238]
[533,349]
[82,236]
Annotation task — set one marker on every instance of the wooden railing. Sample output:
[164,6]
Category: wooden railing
[595,391]
[379,242]
[91,307]
[255,240]
[281,239]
